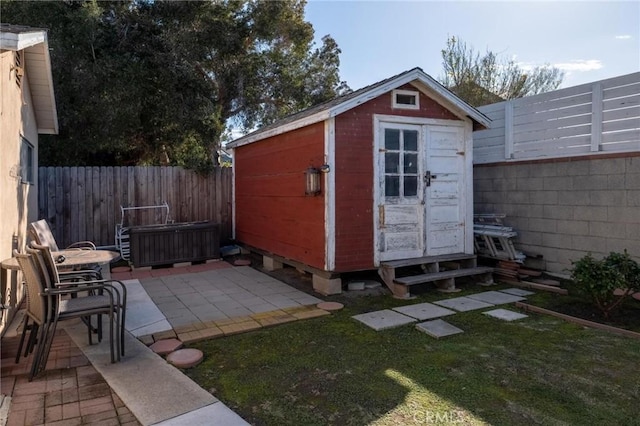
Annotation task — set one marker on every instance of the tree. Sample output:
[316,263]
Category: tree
[482,79]
[143,81]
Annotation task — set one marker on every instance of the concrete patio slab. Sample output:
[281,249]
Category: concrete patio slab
[424,311]
[518,292]
[505,314]
[204,417]
[143,316]
[495,297]
[438,328]
[380,320]
[463,304]
[220,294]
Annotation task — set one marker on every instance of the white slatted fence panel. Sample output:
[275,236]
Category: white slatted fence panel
[561,123]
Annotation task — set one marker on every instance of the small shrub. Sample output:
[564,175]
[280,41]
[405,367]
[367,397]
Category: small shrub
[628,267]
[598,279]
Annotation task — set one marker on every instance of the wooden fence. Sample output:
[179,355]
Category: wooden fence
[83,203]
[591,118]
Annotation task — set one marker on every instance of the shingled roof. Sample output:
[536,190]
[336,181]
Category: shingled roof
[348,101]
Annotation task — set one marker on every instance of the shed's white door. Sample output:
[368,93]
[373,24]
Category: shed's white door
[444,205]
[420,190]
[401,193]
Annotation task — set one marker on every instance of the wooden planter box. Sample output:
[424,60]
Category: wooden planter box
[174,243]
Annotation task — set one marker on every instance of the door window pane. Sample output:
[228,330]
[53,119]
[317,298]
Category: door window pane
[410,140]
[392,162]
[411,163]
[392,186]
[392,139]
[410,186]
[401,167]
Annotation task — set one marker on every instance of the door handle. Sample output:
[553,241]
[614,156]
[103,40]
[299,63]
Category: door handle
[427,178]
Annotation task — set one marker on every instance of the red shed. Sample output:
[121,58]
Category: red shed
[394,165]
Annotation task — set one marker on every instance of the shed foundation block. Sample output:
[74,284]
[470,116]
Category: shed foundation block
[270,264]
[327,286]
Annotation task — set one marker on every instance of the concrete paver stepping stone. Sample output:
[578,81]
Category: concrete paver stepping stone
[143,316]
[185,358]
[505,314]
[517,292]
[438,328]
[380,320]
[495,297]
[424,311]
[166,346]
[330,306]
[463,304]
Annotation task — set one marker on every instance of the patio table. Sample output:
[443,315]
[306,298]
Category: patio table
[72,258]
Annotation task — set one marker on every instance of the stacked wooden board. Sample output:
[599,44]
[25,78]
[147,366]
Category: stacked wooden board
[510,271]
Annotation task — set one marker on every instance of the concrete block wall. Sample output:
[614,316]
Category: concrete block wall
[565,208]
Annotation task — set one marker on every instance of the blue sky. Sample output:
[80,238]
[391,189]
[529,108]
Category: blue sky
[589,40]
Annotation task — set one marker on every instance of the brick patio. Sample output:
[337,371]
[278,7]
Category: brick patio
[69,392]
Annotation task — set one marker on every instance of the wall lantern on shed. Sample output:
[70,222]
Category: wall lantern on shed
[312,181]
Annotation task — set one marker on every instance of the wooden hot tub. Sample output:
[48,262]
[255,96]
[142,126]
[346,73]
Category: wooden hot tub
[174,243]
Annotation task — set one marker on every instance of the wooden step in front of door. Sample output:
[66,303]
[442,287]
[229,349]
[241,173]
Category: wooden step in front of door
[441,270]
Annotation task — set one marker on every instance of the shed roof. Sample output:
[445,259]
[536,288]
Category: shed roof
[336,106]
[37,64]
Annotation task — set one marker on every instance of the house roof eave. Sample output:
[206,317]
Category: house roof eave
[17,37]
[37,63]
[51,109]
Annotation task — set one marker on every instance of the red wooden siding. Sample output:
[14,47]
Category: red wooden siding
[272,211]
[354,176]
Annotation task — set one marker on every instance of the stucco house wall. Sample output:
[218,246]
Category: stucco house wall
[27,109]
[18,120]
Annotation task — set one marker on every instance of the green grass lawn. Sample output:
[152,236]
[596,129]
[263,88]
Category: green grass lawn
[335,370]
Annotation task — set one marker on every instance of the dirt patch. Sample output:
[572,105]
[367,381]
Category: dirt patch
[626,317]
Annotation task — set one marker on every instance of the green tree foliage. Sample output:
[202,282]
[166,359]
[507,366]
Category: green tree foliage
[146,82]
[481,79]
